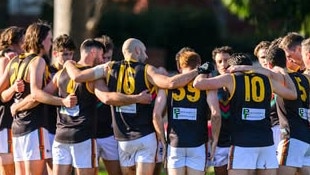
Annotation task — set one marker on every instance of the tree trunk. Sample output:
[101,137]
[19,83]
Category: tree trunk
[78,18]
[62,17]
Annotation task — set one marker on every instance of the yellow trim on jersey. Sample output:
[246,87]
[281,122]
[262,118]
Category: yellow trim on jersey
[109,71]
[12,79]
[154,89]
[234,89]
[46,75]
[147,83]
[131,60]
[27,68]
[271,86]
[290,71]
[120,78]
[79,65]
[90,87]
[166,91]
[57,77]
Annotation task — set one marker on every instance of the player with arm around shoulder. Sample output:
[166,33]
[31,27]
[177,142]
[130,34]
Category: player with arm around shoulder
[249,119]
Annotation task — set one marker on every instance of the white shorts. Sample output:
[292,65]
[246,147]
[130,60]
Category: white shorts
[6,145]
[221,156]
[51,138]
[294,153]
[252,158]
[107,148]
[193,157]
[139,150]
[276,135]
[79,155]
[32,146]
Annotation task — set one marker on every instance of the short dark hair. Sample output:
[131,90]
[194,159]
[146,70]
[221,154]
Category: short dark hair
[106,41]
[223,49]
[276,42]
[239,59]
[276,57]
[90,43]
[63,42]
[291,40]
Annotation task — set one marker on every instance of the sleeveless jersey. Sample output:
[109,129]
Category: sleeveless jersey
[6,118]
[104,120]
[224,104]
[51,110]
[297,111]
[250,108]
[132,121]
[5,114]
[75,124]
[29,120]
[274,118]
[188,114]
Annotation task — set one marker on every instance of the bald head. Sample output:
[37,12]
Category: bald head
[134,49]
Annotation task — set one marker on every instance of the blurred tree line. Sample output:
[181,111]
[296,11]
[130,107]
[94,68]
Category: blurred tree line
[172,24]
[163,28]
[273,17]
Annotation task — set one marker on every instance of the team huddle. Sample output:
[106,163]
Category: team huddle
[61,117]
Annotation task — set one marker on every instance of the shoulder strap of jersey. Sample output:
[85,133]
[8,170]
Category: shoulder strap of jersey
[234,87]
[22,69]
[109,71]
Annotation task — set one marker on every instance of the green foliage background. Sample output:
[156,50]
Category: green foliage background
[171,28]
[273,16]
